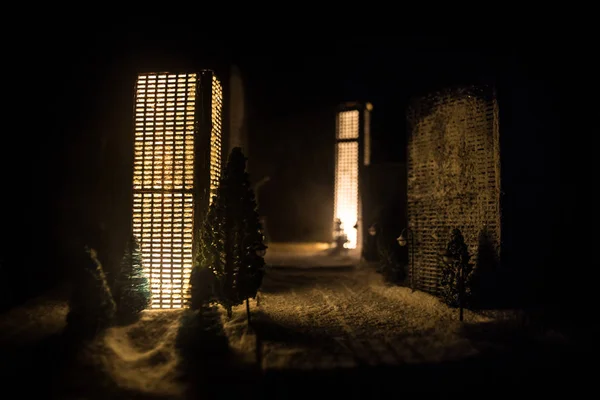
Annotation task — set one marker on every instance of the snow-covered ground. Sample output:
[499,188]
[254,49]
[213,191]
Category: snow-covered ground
[316,311]
[142,357]
[35,319]
[319,311]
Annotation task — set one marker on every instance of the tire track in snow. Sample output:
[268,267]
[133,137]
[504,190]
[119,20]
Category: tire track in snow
[343,308]
[336,312]
[369,352]
[367,318]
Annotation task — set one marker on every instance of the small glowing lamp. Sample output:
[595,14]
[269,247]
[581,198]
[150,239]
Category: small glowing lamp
[402,240]
[261,250]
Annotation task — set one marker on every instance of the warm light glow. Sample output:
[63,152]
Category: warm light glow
[163,181]
[346,174]
[347,125]
[215,136]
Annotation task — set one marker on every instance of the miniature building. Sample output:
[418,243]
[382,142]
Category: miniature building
[177,166]
[352,153]
[453,175]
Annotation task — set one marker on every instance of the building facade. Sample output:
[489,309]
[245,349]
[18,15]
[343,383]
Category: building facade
[453,164]
[352,154]
[178,153]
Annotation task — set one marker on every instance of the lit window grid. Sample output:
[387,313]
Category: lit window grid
[163,171]
[346,189]
[163,224]
[215,136]
[347,125]
[164,132]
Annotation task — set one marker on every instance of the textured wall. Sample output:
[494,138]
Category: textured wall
[453,175]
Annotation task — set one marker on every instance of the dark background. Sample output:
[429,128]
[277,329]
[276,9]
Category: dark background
[66,158]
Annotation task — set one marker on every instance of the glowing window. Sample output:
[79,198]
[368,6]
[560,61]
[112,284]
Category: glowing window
[163,179]
[347,125]
[346,189]
[215,136]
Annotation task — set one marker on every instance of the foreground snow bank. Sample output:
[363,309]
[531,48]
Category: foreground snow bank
[40,317]
[142,356]
[146,356]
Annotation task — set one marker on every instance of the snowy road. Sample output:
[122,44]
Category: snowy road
[322,321]
[331,322]
[325,312]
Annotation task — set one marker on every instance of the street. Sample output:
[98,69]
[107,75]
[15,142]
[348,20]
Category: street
[323,326]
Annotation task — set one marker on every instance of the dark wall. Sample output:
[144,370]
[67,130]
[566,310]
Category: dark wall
[530,142]
[298,156]
[384,207]
[384,198]
[547,199]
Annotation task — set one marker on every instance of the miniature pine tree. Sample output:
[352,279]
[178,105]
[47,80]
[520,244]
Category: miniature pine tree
[209,263]
[251,271]
[458,258]
[91,305]
[231,236]
[132,286]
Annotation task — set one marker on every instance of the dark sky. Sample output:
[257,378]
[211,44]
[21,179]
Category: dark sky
[81,88]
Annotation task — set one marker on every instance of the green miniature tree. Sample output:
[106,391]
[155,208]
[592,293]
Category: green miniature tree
[210,259]
[230,266]
[132,288]
[455,285]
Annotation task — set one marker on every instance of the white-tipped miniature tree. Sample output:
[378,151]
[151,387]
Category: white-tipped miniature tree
[91,305]
[132,289]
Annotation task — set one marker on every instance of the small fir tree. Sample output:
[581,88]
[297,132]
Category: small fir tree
[91,305]
[229,269]
[132,288]
[456,266]
[203,281]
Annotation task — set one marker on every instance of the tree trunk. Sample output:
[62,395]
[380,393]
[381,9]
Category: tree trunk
[248,311]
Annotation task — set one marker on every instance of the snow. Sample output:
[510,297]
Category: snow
[39,317]
[315,311]
[349,316]
[142,356]
[319,311]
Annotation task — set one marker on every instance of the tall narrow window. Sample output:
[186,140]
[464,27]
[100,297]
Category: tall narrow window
[346,200]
